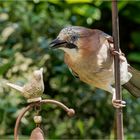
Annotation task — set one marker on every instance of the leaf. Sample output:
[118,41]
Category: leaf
[55,1]
[122,4]
[134,56]
[88,11]
[90,122]
[80,126]
[131,12]
[6,66]
[78,1]
[3,17]
[136,38]
[61,129]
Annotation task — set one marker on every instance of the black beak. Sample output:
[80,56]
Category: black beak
[57,43]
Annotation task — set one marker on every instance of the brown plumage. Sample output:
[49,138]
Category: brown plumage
[89,54]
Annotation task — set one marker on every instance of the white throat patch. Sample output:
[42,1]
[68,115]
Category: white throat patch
[72,52]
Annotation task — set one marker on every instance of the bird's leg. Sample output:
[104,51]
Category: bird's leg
[116,103]
[121,55]
[114,52]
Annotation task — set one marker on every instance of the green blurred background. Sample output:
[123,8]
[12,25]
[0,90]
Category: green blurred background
[26,29]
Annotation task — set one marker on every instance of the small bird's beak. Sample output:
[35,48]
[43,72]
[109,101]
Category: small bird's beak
[57,43]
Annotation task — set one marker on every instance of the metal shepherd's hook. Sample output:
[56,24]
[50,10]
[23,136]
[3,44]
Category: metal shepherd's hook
[115,28]
[70,112]
[33,91]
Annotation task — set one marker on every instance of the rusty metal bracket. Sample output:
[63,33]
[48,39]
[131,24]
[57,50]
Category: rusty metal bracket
[70,112]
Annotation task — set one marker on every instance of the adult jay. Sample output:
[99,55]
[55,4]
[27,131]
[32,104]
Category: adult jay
[89,55]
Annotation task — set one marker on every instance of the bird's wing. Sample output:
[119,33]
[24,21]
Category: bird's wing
[133,85]
[136,76]
[108,37]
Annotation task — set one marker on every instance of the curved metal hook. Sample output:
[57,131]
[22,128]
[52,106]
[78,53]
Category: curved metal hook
[70,112]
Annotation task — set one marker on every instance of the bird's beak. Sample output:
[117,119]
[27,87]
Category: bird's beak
[57,43]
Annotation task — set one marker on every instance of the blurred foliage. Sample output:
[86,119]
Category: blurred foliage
[26,29]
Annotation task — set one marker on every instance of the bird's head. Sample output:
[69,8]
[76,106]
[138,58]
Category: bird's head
[72,39]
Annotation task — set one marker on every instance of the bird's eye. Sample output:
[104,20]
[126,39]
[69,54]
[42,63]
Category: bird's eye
[73,38]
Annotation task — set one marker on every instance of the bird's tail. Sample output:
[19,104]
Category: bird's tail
[133,86]
[17,87]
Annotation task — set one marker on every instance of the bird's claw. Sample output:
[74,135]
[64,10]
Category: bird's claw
[121,55]
[118,103]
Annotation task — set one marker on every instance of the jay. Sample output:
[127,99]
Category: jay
[89,55]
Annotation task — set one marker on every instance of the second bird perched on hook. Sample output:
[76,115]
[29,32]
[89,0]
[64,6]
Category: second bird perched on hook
[34,89]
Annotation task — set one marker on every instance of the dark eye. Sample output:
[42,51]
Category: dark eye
[74,38]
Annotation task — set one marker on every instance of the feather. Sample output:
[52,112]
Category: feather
[133,86]
[74,73]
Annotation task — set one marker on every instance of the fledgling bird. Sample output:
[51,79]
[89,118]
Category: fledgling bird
[34,89]
[89,55]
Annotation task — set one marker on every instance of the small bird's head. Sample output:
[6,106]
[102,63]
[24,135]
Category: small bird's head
[38,74]
[72,39]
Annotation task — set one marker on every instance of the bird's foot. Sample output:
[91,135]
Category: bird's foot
[121,55]
[118,103]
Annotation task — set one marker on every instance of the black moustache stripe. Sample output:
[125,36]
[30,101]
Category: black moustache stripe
[71,46]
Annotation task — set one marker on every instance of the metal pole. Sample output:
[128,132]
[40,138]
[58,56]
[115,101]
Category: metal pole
[115,28]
